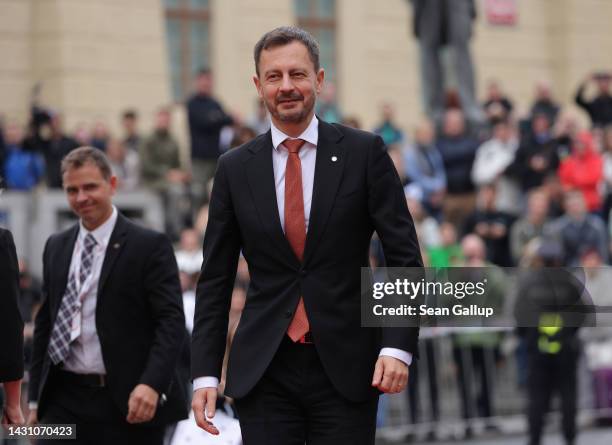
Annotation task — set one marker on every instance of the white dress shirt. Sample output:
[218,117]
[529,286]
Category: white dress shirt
[308,157]
[85,355]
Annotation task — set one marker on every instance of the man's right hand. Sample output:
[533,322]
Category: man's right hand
[203,404]
[12,415]
[33,417]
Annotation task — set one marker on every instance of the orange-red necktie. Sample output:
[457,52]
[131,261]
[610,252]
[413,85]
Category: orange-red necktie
[295,226]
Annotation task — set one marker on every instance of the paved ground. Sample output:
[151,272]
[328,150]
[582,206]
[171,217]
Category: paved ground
[589,437]
[593,436]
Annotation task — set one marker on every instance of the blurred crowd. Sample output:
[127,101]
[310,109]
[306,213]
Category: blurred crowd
[509,179]
[502,191]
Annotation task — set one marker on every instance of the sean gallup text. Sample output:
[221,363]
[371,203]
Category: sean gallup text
[456,310]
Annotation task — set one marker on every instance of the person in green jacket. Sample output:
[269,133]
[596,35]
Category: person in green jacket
[161,171]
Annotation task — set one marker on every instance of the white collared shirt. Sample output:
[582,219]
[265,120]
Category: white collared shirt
[85,355]
[308,157]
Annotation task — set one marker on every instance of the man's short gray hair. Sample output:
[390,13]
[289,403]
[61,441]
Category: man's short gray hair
[284,35]
[78,157]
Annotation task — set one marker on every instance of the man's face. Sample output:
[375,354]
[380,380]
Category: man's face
[13,134]
[486,196]
[473,248]
[494,91]
[129,124]
[100,131]
[502,132]
[387,112]
[162,120]
[57,124]
[89,194]
[454,124]
[574,205]
[603,84]
[115,151]
[538,205]
[424,134]
[190,241]
[540,124]
[288,83]
[204,84]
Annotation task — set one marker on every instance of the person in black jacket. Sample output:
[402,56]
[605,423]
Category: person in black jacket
[497,106]
[544,102]
[550,309]
[206,119]
[11,330]
[458,150]
[600,107]
[108,334]
[301,368]
[54,149]
[537,157]
[492,225]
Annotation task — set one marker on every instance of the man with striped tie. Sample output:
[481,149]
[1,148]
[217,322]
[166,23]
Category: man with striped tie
[109,332]
[301,202]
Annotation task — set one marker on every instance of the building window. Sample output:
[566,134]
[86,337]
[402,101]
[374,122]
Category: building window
[318,17]
[188,39]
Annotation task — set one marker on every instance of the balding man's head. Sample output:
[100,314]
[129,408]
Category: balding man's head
[473,248]
[424,132]
[543,89]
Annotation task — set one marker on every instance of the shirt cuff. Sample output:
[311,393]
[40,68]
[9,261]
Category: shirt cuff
[205,382]
[32,405]
[404,356]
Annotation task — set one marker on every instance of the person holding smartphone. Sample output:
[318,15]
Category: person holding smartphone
[599,107]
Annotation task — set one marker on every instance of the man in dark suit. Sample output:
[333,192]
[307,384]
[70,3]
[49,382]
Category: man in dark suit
[446,23]
[11,331]
[108,334]
[301,202]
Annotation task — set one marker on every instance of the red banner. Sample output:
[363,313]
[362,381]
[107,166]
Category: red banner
[501,12]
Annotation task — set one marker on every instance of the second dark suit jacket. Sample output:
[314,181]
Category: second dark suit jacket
[11,325]
[139,316]
[354,195]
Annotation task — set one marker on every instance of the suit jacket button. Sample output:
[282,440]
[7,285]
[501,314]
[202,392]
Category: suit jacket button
[288,314]
[303,273]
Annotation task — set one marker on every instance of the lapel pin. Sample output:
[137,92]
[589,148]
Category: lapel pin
[116,245]
[334,158]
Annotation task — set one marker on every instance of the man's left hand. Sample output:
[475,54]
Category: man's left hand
[142,404]
[390,375]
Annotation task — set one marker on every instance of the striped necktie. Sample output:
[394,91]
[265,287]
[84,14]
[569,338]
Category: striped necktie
[59,345]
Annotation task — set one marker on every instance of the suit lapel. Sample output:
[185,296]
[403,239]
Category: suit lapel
[116,243]
[329,167]
[260,177]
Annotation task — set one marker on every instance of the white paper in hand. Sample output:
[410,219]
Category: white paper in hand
[188,433]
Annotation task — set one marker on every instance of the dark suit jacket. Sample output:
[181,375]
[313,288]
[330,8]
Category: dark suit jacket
[139,316]
[11,325]
[358,193]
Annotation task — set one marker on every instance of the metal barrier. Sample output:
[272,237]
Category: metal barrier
[448,385]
